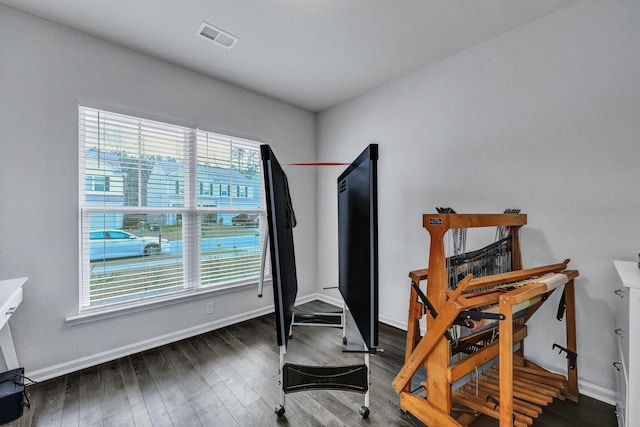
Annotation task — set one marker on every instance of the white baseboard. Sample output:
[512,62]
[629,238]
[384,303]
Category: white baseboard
[338,302]
[599,393]
[127,350]
[393,322]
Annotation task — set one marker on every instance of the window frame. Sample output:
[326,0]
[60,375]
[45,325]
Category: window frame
[190,210]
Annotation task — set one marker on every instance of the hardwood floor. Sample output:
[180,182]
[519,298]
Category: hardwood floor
[229,377]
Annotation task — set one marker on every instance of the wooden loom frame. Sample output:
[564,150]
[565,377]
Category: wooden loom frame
[433,351]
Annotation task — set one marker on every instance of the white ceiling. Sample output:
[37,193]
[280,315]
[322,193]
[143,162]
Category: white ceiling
[310,53]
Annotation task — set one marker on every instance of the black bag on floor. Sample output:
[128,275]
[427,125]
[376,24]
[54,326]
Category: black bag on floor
[13,398]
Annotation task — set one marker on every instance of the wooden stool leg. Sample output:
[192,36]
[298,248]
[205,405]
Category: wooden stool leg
[572,374]
[506,362]
[413,329]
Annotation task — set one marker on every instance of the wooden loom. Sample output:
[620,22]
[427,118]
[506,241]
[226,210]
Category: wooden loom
[514,390]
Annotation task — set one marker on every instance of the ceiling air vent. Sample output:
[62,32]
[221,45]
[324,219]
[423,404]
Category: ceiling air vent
[217,35]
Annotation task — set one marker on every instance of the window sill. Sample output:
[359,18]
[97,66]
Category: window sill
[97,314]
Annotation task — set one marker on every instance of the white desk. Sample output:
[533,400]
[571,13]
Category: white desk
[10,299]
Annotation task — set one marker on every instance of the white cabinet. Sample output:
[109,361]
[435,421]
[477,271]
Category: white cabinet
[627,333]
[10,299]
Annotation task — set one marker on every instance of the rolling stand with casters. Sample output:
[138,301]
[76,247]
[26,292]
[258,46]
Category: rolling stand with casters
[357,274]
[353,378]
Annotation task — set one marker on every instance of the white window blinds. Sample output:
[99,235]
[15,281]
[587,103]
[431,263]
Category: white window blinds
[165,209]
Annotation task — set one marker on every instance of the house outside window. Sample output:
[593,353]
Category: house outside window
[149,227]
[97,183]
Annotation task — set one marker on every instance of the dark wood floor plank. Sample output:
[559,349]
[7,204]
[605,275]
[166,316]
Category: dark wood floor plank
[260,351]
[242,390]
[343,405]
[241,360]
[175,401]
[210,353]
[71,410]
[150,393]
[243,369]
[211,411]
[269,390]
[187,377]
[116,408]
[52,403]
[90,411]
[134,394]
[205,365]
[310,405]
[237,409]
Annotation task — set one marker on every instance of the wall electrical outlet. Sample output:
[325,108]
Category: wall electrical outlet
[209,308]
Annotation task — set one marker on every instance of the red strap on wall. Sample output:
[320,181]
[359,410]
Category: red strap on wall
[318,164]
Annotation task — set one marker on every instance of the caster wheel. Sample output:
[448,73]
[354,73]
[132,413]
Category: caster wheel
[344,340]
[279,411]
[364,412]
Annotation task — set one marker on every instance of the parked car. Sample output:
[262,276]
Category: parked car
[105,244]
[245,220]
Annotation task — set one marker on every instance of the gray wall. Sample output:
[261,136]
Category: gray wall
[544,118]
[45,71]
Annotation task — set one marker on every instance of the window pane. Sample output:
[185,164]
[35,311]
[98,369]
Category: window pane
[230,168]
[131,161]
[131,256]
[230,247]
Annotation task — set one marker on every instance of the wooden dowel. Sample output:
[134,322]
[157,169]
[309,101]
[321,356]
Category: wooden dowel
[548,389]
[529,385]
[523,390]
[518,405]
[560,385]
[487,408]
[527,397]
[538,371]
[533,378]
